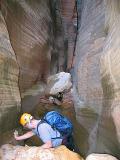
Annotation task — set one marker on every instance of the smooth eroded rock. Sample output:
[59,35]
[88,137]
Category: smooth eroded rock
[97,76]
[36,153]
[60,82]
[9,89]
[100,157]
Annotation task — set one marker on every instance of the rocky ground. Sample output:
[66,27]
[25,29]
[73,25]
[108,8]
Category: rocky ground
[9,152]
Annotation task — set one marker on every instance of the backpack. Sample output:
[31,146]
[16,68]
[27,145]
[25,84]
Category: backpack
[58,122]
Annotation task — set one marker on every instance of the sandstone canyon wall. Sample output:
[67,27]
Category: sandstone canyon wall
[10,101]
[96,83]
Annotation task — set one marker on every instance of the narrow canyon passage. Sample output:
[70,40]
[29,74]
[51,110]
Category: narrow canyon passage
[43,38]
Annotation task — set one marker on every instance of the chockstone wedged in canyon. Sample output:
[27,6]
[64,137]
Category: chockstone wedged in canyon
[60,82]
[40,42]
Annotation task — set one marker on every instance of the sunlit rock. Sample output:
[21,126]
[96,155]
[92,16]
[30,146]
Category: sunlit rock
[36,153]
[60,82]
[100,157]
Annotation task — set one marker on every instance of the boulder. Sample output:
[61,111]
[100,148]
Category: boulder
[100,157]
[36,153]
[60,82]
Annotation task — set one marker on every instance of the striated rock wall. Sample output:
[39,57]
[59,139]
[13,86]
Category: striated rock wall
[87,81]
[9,90]
[96,82]
[35,37]
[110,63]
[29,25]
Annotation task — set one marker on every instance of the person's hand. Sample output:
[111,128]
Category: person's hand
[16,135]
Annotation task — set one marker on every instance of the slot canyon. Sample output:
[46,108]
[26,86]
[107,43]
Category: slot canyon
[40,39]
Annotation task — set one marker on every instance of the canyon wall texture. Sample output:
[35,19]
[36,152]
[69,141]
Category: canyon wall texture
[110,63]
[29,52]
[96,82]
[36,36]
[30,28]
[9,90]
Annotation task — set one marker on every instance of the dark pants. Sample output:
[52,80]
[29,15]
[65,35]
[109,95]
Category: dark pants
[68,142]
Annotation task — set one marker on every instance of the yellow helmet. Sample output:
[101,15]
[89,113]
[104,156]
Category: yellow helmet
[25,118]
